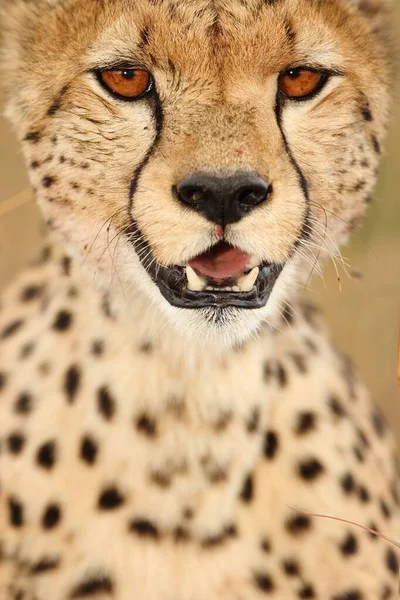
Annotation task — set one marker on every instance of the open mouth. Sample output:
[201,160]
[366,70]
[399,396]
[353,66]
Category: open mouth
[223,277]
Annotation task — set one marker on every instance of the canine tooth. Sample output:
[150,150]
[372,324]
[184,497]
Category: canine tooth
[247,282]
[195,283]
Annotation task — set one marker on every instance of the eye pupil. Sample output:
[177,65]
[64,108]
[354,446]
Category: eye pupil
[128,74]
[294,73]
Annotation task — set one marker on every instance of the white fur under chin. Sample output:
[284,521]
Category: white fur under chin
[150,314]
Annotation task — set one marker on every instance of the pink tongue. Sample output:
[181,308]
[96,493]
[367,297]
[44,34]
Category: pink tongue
[221,262]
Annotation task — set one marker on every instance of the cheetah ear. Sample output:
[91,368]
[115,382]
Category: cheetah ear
[373,9]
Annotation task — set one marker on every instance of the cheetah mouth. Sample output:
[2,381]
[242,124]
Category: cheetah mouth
[221,277]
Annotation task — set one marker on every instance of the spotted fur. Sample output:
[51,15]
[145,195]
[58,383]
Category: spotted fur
[169,454]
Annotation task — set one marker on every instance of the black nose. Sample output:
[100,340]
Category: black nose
[223,200]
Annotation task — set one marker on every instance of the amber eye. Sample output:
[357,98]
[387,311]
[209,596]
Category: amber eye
[127,83]
[301,83]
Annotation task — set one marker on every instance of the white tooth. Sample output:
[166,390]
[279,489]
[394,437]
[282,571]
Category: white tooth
[247,282]
[195,283]
[236,288]
[209,288]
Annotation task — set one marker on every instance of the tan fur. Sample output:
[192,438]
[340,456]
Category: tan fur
[198,417]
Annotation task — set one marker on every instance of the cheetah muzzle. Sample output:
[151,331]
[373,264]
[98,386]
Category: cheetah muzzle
[221,277]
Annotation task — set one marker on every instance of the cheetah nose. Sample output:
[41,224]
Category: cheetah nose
[223,200]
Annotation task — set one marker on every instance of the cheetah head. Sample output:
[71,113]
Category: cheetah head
[203,155]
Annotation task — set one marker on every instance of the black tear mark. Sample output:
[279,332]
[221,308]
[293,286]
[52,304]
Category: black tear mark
[159,120]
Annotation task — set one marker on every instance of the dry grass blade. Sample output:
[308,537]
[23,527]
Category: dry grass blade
[348,522]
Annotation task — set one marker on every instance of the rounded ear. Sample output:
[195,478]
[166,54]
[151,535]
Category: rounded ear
[373,8]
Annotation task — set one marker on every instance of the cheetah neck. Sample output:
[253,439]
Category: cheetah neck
[198,417]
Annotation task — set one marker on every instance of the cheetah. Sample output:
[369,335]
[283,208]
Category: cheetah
[173,413]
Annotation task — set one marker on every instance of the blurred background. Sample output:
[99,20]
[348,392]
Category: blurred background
[362,311]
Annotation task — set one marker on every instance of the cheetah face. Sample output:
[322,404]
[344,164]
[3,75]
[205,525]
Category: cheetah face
[203,155]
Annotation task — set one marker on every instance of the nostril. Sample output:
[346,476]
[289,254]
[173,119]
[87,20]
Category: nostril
[192,195]
[253,195]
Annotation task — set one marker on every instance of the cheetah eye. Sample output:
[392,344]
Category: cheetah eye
[129,84]
[301,83]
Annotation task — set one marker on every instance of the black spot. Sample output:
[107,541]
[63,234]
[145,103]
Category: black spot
[146,348]
[268,371]
[310,469]
[291,567]
[146,425]
[48,181]
[247,492]
[266,545]
[62,321]
[31,292]
[349,545]
[264,582]
[27,350]
[367,115]
[306,422]
[110,499]
[105,403]
[10,329]
[212,541]
[15,443]
[300,362]
[46,455]
[298,524]
[92,586]
[16,512]
[379,423]
[33,136]
[163,480]
[281,375]
[363,494]
[386,593]
[51,516]
[349,595]
[35,164]
[97,348]
[392,562]
[359,454]
[271,444]
[66,263]
[307,591]
[363,438]
[374,528]
[181,535]
[44,565]
[23,404]
[3,380]
[222,422]
[188,513]
[254,420]
[88,450]
[376,145]
[144,528]
[347,482]
[72,382]
[336,407]
[385,510]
